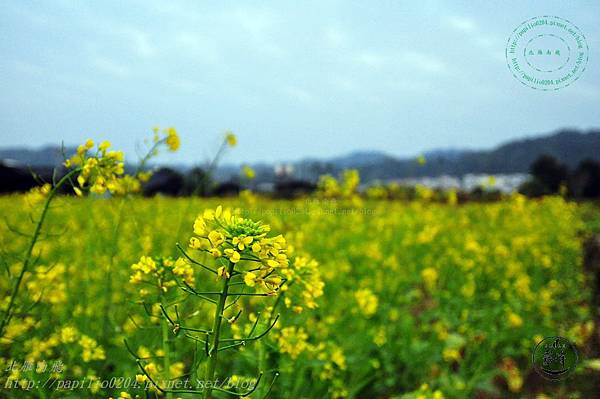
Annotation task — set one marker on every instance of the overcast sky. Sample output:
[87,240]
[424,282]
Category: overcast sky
[291,79]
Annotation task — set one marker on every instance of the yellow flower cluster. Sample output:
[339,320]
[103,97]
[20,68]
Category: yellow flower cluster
[230,138]
[248,172]
[367,301]
[430,277]
[169,136]
[424,392]
[293,341]
[424,193]
[514,320]
[90,349]
[347,187]
[304,281]
[68,334]
[46,277]
[512,374]
[15,330]
[37,194]
[156,370]
[454,344]
[172,139]
[227,236]
[333,358]
[99,171]
[451,354]
[161,272]
[40,348]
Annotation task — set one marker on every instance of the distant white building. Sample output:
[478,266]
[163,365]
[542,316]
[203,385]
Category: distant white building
[506,183]
[502,183]
[283,170]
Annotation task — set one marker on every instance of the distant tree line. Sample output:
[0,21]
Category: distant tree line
[549,176]
[197,182]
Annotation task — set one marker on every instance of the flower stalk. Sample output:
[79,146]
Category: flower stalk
[216,333]
[27,260]
[245,257]
[166,352]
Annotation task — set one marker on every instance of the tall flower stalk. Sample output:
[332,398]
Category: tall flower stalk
[34,238]
[204,185]
[216,329]
[99,172]
[244,257]
[168,138]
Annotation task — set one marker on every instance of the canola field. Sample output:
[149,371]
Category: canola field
[190,297]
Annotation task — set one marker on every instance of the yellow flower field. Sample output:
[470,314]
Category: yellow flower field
[379,299]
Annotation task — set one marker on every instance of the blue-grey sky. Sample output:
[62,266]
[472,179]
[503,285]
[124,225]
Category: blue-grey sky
[291,79]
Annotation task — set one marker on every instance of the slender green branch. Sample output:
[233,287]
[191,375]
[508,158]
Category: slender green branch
[237,298]
[196,338]
[271,385]
[149,154]
[211,166]
[185,287]
[254,325]
[166,349]
[27,260]
[249,338]
[232,346]
[195,330]
[109,268]
[195,262]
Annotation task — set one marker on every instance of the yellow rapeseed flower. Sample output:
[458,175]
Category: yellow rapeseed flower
[172,139]
[248,172]
[430,276]
[514,320]
[367,301]
[230,138]
[250,279]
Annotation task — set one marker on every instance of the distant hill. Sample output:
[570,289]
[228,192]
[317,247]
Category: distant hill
[47,156]
[569,146]
[452,153]
[359,158]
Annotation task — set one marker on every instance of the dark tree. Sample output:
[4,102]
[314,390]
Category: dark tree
[198,182]
[293,188]
[533,189]
[227,189]
[549,173]
[164,181]
[585,180]
[15,179]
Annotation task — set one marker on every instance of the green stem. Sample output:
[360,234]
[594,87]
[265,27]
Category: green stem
[27,260]
[262,356]
[109,268]
[149,154]
[216,330]
[167,353]
[215,160]
[210,168]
